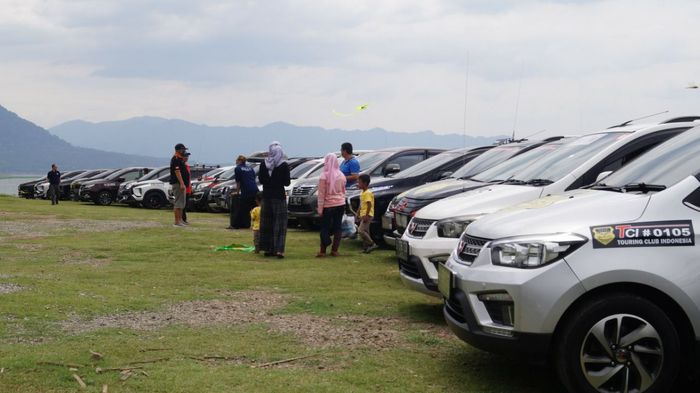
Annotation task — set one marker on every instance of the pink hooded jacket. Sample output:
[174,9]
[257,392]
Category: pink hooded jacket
[331,185]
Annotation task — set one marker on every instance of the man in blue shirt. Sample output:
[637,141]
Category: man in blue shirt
[243,199]
[350,166]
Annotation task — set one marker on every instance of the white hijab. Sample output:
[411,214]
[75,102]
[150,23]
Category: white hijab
[275,157]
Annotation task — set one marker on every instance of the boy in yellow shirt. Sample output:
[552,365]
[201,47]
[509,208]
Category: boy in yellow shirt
[366,213]
[255,223]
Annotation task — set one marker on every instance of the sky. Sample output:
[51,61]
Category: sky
[547,67]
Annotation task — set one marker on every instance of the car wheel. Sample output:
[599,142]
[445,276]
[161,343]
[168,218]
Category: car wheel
[154,200]
[104,198]
[618,343]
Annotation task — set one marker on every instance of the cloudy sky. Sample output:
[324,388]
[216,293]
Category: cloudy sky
[579,65]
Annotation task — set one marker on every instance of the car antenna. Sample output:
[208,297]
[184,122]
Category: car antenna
[517,100]
[538,132]
[466,90]
[639,118]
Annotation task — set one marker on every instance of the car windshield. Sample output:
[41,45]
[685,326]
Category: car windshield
[155,173]
[665,165]
[506,169]
[568,157]
[104,174]
[486,160]
[302,168]
[213,172]
[228,174]
[89,174]
[431,164]
[118,174]
[369,161]
[70,175]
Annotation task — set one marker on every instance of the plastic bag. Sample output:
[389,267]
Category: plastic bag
[348,228]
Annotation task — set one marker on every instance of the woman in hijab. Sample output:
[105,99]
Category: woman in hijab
[331,204]
[274,176]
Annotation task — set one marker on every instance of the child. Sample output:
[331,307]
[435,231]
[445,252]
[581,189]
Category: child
[255,223]
[366,213]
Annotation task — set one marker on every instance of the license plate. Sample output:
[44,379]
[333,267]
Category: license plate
[402,249]
[444,280]
[296,200]
[386,223]
[401,220]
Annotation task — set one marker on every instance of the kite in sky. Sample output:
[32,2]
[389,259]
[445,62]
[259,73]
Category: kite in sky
[358,109]
[692,86]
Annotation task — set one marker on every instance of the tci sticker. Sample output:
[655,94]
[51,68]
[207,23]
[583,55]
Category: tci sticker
[644,234]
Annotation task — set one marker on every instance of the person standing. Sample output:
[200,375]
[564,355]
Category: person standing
[366,213]
[246,189]
[331,204]
[274,177]
[54,178]
[350,166]
[179,179]
[188,191]
[255,223]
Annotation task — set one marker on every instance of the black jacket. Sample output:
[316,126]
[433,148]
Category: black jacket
[273,186]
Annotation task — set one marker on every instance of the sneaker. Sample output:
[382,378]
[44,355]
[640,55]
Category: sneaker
[178,225]
[371,248]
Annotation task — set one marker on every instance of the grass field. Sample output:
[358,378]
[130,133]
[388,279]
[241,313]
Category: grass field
[169,314]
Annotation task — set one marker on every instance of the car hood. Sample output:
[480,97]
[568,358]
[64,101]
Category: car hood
[442,189]
[480,201]
[148,182]
[574,211]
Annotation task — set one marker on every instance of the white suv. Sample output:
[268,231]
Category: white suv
[571,163]
[603,281]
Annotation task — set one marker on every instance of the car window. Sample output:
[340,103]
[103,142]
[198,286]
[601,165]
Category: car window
[404,161]
[508,168]
[156,173]
[302,169]
[133,175]
[666,165]
[486,160]
[568,157]
[430,164]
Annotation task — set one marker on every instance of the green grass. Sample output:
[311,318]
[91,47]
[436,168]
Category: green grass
[147,269]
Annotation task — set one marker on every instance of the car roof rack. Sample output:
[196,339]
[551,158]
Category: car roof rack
[682,119]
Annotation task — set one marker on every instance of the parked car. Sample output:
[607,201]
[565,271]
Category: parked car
[64,187]
[154,193]
[41,189]
[104,191]
[219,197]
[385,189]
[572,163]
[26,189]
[405,205]
[77,183]
[125,195]
[199,200]
[600,281]
[378,164]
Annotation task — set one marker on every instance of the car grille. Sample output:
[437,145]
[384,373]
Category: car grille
[409,268]
[418,227]
[469,247]
[455,310]
[406,207]
[303,190]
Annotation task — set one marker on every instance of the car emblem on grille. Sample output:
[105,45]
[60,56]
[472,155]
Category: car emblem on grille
[412,227]
[460,247]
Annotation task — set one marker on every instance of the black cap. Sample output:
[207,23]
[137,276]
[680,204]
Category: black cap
[180,146]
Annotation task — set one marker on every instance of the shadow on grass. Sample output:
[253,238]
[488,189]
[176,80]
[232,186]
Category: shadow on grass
[423,313]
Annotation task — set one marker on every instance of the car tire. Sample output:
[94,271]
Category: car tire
[590,357]
[104,198]
[154,200]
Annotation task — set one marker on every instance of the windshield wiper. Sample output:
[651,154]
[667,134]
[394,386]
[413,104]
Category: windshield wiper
[603,186]
[515,181]
[643,187]
[539,182]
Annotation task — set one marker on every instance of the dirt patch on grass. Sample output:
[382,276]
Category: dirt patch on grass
[258,307]
[30,247]
[40,226]
[79,259]
[7,287]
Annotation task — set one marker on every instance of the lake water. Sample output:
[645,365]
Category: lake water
[9,185]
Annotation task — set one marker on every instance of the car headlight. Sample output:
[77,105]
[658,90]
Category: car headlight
[454,227]
[314,192]
[533,251]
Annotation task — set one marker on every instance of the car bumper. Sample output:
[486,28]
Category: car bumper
[419,265]
[417,284]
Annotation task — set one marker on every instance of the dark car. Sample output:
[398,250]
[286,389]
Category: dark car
[74,188]
[378,164]
[26,189]
[220,195]
[199,200]
[405,205]
[104,191]
[433,169]
[64,185]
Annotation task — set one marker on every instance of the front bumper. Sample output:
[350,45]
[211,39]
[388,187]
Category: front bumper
[419,266]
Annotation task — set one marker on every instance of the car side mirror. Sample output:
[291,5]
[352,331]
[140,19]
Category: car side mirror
[445,174]
[391,169]
[602,175]
[121,180]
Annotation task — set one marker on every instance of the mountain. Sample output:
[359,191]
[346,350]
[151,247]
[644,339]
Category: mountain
[28,148]
[156,137]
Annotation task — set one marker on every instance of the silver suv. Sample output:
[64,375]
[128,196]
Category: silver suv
[603,280]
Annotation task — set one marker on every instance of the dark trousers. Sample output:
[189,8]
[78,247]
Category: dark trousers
[331,225]
[273,225]
[240,211]
[53,193]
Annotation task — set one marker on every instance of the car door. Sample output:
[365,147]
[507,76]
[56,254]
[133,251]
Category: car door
[624,155]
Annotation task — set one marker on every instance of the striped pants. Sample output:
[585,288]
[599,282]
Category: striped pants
[273,225]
